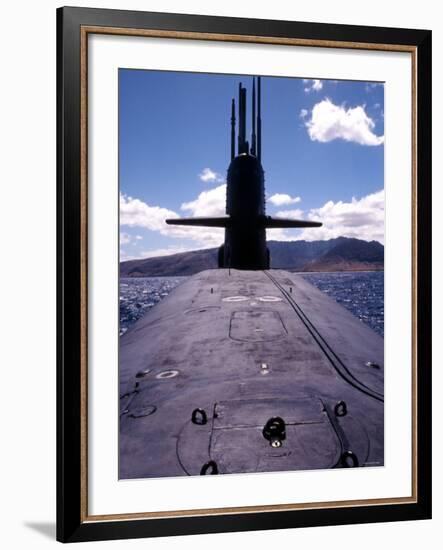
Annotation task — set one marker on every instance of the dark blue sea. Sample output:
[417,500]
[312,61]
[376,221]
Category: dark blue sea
[138,295]
[362,293]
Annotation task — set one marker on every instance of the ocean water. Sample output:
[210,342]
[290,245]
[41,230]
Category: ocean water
[362,293]
[138,295]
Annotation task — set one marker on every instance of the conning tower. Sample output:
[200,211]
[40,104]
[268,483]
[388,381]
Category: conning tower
[245,222]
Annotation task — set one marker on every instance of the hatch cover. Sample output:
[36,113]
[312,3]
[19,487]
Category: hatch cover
[238,444]
[234,439]
[256,326]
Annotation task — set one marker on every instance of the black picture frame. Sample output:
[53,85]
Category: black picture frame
[73,523]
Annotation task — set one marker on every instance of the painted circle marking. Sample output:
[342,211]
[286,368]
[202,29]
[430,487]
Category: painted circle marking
[270,299]
[235,299]
[167,374]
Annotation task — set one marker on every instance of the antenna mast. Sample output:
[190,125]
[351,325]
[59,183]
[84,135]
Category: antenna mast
[254,138]
[233,129]
[259,118]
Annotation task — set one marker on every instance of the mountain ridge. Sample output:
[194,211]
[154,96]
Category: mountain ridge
[339,254]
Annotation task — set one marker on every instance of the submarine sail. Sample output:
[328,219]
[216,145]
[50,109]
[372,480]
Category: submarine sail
[246,221]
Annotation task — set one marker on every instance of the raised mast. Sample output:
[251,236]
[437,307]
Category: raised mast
[243,146]
[254,137]
[259,118]
[233,129]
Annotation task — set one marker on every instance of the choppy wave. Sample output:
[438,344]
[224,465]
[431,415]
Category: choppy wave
[139,295]
[361,293]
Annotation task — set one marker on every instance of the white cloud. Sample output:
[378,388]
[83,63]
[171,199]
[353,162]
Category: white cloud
[209,176]
[304,113]
[208,203]
[279,235]
[290,214]
[361,218]
[136,213]
[329,122]
[280,199]
[312,85]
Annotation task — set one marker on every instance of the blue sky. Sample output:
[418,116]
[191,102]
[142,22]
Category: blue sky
[322,152]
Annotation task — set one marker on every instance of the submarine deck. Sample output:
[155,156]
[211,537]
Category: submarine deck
[245,347]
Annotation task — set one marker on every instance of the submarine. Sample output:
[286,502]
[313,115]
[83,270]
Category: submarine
[244,368]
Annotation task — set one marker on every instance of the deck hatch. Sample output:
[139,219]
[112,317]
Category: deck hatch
[256,326]
[238,445]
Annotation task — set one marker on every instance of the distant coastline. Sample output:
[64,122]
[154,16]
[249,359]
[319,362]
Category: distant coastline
[335,255]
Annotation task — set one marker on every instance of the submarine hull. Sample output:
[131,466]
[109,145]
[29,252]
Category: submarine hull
[203,373]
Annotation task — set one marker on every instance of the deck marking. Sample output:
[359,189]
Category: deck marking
[235,299]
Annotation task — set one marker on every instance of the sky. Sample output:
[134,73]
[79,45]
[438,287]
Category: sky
[322,153]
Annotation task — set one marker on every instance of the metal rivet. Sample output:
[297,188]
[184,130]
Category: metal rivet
[264,369]
[349,460]
[372,365]
[209,465]
[275,431]
[199,417]
[341,409]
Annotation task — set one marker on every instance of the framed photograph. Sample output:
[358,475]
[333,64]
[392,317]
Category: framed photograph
[244,274]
